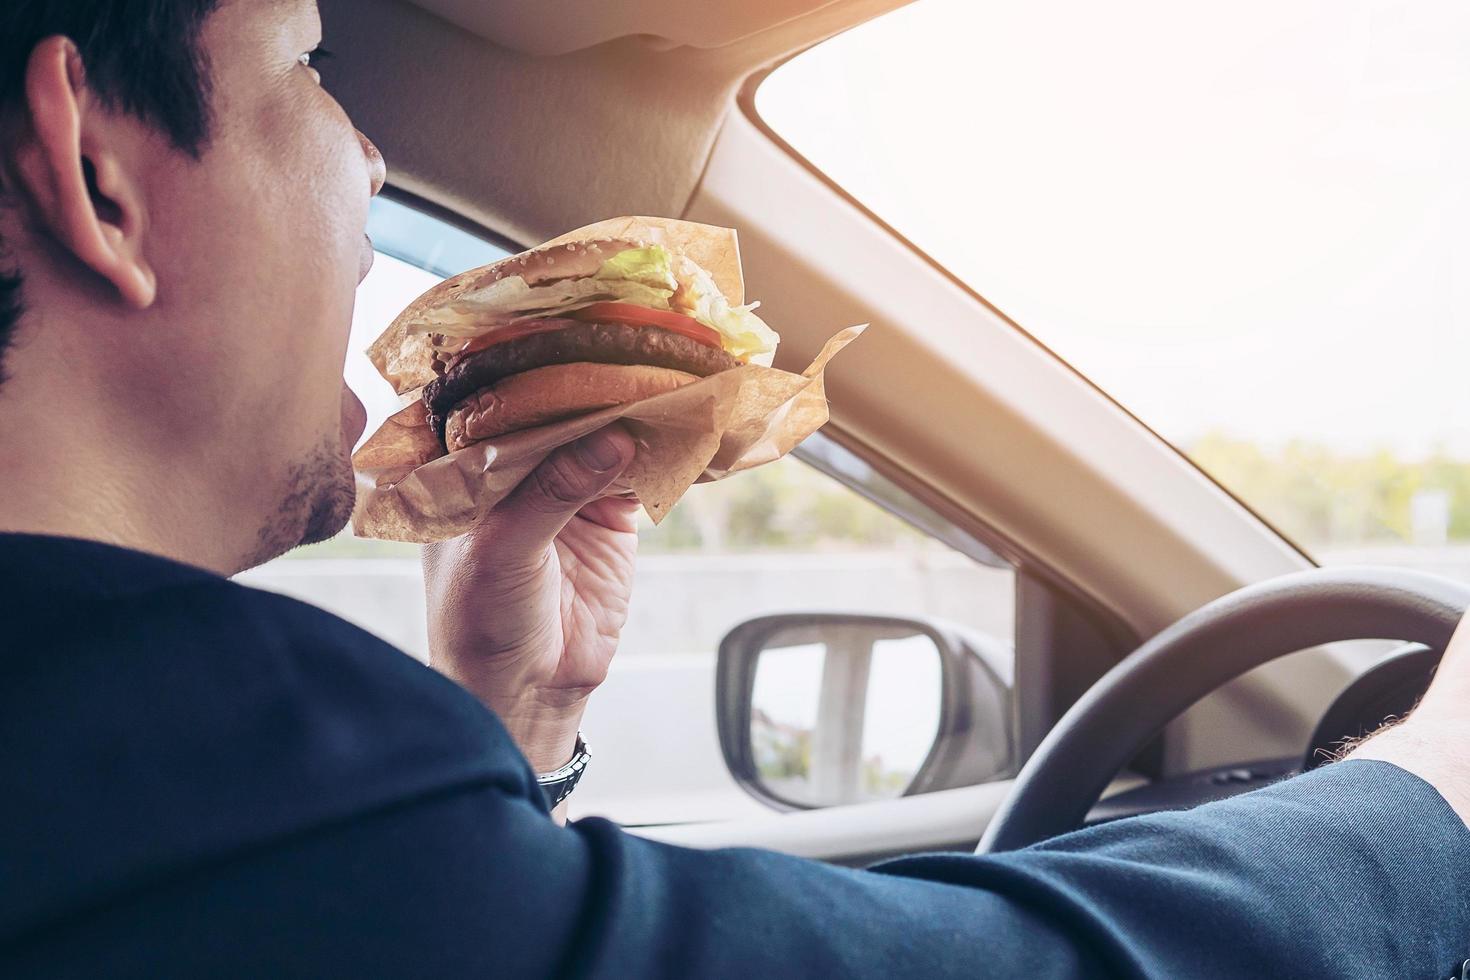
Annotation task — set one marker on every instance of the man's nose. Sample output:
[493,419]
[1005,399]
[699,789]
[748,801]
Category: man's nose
[377,168]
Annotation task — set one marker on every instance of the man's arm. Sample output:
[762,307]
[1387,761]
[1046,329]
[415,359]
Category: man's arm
[319,804]
[1356,870]
[1323,876]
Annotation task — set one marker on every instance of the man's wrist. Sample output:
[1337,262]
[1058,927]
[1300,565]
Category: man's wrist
[1427,749]
[543,721]
[545,733]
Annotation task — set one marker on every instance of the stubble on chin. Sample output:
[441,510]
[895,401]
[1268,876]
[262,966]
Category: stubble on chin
[320,492]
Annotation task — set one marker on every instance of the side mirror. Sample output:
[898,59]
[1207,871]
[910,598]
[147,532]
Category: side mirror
[825,709]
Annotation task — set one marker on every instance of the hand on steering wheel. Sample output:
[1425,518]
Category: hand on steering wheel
[1113,721]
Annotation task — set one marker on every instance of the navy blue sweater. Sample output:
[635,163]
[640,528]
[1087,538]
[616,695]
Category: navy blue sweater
[200,779]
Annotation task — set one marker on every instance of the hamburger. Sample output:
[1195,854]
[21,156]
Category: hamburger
[571,328]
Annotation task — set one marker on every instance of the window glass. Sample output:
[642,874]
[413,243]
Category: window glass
[794,536]
[1247,222]
[783,538]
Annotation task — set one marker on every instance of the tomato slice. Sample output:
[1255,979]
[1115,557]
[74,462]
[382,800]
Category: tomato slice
[642,316]
[514,331]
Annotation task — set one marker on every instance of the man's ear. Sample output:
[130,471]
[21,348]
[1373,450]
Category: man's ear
[78,178]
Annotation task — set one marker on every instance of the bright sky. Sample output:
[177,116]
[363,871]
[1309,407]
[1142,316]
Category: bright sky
[390,287]
[1250,217]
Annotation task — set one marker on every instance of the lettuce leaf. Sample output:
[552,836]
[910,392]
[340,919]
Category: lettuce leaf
[652,267]
[745,335]
[512,298]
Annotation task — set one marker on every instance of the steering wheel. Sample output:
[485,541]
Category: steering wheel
[1115,719]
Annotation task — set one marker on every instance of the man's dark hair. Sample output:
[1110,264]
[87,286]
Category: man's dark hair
[142,57]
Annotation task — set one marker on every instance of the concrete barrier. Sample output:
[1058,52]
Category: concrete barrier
[685,603]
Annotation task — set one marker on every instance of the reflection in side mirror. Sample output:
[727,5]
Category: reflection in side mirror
[844,714]
[830,709]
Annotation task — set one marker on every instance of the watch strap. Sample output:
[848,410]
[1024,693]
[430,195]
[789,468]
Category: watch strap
[558,784]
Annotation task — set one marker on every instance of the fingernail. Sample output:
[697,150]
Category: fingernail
[600,452]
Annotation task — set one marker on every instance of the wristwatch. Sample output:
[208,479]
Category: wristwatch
[558,784]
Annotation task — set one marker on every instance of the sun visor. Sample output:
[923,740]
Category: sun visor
[554,27]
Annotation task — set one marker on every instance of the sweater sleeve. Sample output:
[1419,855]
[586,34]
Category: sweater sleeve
[1359,869]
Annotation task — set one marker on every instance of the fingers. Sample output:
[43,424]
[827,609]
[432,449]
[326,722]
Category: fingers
[568,480]
[613,513]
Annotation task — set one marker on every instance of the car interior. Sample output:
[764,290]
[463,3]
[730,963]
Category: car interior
[1159,641]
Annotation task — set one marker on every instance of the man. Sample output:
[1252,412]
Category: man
[205,780]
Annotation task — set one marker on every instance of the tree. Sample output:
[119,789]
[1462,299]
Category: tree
[1324,498]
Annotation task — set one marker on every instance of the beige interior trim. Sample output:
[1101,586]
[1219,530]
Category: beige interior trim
[947,820]
[529,147]
[552,27]
[951,819]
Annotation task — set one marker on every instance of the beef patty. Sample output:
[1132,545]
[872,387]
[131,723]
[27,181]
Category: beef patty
[605,343]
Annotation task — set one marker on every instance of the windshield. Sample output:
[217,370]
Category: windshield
[1247,222]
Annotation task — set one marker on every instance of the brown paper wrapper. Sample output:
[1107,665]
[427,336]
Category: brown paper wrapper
[409,489]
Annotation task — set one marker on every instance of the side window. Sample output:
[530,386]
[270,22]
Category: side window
[819,532]
[802,535]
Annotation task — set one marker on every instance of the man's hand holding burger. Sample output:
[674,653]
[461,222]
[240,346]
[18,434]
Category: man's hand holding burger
[525,611]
